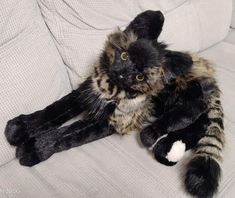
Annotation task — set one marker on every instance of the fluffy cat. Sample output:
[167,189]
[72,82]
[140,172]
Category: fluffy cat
[170,97]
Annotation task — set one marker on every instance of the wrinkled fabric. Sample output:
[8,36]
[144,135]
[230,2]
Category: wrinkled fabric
[38,64]
[80,27]
[233,16]
[118,166]
[32,73]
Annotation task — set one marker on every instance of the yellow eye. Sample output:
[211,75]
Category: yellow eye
[139,77]
[124,56]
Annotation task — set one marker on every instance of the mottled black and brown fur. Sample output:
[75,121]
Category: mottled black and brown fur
[137,85]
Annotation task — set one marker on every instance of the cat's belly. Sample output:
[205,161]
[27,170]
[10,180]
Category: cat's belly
[131,115]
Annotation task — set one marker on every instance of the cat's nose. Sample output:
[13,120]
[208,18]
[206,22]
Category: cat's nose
[125,80]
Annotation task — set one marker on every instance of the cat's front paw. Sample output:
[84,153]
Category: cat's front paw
[168,151]
[15,131]
[27,153]
[148,136]
[36,149]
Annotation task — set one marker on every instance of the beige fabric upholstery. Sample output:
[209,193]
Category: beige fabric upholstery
[80,27]
[119,167]
[233,17]
[32,73]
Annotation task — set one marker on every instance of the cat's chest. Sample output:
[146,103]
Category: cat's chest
[131,114]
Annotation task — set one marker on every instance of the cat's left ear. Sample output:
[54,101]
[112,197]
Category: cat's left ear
[176,64]
[147,25]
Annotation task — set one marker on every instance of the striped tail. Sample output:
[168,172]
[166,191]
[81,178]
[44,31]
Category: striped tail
[203,171]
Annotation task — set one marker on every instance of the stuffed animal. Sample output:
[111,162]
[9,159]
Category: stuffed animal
[137,84]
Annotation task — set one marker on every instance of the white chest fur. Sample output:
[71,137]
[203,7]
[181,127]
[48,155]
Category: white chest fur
[130,105]
[130,114]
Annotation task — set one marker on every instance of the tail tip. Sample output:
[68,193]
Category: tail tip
[202,177]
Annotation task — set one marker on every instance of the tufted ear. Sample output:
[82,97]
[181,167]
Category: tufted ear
[176,64]
[147,25]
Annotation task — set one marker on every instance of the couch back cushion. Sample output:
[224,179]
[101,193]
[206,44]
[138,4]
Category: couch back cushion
[80,27]
[32,73]
[233,17]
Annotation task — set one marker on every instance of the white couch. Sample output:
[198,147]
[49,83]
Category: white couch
[47,48]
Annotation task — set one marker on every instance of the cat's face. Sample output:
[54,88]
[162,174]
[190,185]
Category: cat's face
[131,63]
[134,61]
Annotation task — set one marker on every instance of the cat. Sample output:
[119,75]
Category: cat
[137,85]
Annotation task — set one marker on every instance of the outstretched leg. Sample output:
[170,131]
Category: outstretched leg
[82,99]
[40,148]
[170,148]
[54,115]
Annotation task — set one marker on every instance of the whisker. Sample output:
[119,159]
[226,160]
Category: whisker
[149,85]
[167,78]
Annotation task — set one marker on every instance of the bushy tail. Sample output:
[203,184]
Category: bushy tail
[203,171]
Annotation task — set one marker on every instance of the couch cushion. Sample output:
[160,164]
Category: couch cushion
[233,17]
[32,73]
[197,24]
[118,166]
[80,27]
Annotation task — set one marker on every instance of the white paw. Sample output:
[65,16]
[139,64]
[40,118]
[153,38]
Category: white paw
[177,151]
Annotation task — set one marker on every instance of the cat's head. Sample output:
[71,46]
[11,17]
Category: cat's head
[133,59]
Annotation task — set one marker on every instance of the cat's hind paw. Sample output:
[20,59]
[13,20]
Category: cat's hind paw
[15,131]
[169,152]
[36,149]
[27,153]
[148,136]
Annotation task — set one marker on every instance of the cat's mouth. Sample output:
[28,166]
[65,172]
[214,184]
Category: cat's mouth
[149,87]
[131,94]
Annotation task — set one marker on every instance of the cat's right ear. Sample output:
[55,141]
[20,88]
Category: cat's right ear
[147,25]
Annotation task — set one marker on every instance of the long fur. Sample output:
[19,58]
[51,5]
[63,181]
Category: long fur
[167,96]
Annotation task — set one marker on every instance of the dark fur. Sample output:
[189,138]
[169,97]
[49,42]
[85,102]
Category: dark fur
[177,89]
[147,25]
[205,170]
